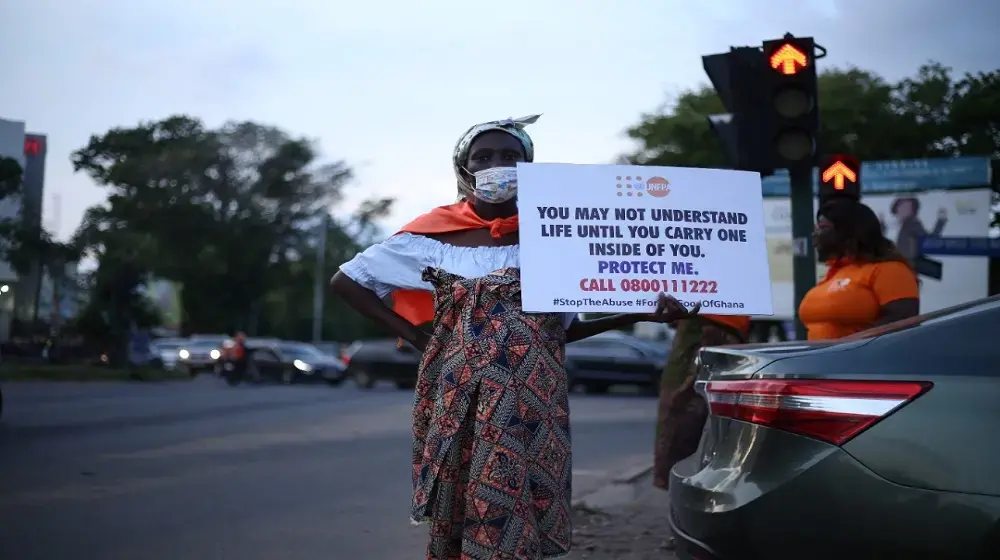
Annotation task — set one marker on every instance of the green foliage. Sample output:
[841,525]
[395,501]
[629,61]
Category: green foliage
[931,114]
[928,115]
[229,213]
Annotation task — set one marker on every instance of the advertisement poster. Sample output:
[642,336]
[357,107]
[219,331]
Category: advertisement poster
[906,217]
[611,238]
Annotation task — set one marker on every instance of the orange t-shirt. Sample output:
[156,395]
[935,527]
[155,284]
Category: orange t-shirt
[851,297]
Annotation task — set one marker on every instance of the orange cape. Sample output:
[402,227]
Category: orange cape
[417,306]
[739,322]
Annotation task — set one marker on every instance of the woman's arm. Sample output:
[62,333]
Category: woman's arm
[898,310]
[668,310]
[367,303]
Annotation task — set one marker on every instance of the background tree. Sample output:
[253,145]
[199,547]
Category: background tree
[931,114]
[229,213]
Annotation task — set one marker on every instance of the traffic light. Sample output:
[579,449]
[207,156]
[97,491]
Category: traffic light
[792,104]
[839,177]
[738,77]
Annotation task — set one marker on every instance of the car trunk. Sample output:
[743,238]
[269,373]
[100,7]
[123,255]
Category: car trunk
[744,362]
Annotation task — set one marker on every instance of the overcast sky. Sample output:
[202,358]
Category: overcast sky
[388,86]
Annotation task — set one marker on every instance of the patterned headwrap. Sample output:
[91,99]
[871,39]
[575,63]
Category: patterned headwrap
[514,127]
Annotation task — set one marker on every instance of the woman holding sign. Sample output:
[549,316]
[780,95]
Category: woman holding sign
[868,281]
[491,447]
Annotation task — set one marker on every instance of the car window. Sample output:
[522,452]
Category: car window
[302,351]
[265,356]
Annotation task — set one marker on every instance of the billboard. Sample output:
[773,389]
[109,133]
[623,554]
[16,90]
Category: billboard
[906,217]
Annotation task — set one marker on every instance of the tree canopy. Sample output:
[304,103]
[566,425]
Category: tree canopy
[931,114]
[232,214]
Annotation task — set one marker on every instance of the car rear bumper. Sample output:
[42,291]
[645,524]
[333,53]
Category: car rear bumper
[772,494]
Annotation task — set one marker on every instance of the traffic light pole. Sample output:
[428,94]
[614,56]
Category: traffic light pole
[804,256]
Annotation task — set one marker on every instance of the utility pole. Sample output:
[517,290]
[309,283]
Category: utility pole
[319,288]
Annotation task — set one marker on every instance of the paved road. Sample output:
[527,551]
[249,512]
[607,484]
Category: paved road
[201,470]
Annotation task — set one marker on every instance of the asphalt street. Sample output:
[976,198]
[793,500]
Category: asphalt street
[202,470]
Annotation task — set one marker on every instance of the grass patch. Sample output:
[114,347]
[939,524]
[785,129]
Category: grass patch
[45,372]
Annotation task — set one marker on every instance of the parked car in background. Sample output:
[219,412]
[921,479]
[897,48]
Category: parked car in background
[872,446]
[615,358]
[198,356]
[370,361]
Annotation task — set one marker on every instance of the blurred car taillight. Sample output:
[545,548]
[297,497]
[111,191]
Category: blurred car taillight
[829,410]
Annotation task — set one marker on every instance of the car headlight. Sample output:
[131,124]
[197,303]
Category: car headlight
[215,354]
[302,366]
[184,354]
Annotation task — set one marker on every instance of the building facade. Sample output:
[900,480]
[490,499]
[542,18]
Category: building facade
[19,294]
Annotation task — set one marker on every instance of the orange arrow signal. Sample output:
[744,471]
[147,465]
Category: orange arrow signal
[838,173]
[788,60]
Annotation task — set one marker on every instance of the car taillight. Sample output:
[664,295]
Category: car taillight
[830,410]
[345,358]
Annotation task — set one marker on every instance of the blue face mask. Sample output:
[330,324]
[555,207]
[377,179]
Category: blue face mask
[496,185]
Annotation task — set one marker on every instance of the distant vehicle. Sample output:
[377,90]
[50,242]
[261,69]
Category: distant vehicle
[615,358]
[330,348]
[166,351]
[208,337]
[287,363]
[369,361]
[198,356]
[308,361]
[872,446]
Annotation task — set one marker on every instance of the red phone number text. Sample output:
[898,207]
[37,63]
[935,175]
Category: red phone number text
[647,285]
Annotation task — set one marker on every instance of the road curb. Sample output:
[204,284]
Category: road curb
[633,475]
[618,489]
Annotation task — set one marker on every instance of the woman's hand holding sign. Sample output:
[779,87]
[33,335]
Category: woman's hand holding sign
[668,310]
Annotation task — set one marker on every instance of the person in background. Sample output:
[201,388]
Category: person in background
[906,210]
[235,353]
[681,412]
[868,281]
[491,464]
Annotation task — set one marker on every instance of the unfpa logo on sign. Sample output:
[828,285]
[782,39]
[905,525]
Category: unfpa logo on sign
[635,186]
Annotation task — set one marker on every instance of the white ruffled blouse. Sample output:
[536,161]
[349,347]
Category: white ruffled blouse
[399,262]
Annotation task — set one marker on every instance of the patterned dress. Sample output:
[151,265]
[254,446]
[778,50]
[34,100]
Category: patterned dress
[491,441]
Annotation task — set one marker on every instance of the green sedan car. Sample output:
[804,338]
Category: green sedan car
[885,444]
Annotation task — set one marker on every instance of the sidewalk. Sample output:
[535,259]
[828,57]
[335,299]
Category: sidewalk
[637,530]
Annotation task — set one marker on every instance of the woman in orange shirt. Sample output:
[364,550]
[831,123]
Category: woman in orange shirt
[868,281]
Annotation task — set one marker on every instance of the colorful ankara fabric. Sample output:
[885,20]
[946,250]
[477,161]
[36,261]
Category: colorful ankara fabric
[460,156]
[491,449]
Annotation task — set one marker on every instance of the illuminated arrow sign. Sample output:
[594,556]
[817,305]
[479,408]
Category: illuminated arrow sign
[838,173]
[788,60]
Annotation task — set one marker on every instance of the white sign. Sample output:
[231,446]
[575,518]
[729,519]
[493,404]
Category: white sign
[952,212]
[610,238]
